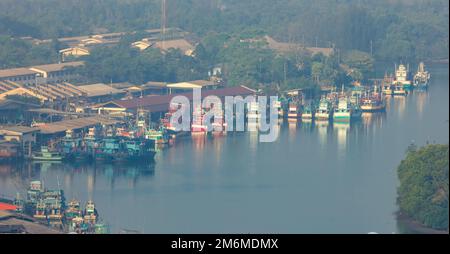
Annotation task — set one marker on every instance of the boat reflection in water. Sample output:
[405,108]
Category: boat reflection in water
[341,129]
[322,129]
[421,99]
[292,127]
[87,173]
[399,106]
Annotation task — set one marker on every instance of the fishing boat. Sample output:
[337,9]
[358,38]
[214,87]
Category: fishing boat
[422,77]
[40,211]
[72,147]
[324,112]
[90,213]
[308,112]
[402,77]
[372,104]
[387,85]
[197,121]
[345,112]
[19,203]
[399,89]
[91,143]
[158,136]
[279,106]
[252,111]
[73,210]
[54,212]
[45,155]
[294,110]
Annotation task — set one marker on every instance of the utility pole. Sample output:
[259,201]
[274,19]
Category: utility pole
[371,48]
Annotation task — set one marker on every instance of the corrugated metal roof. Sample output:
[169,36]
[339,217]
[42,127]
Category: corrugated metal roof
[74,124]
[161,103]
[17,128]
[15,72]
[99,89]
[56,67]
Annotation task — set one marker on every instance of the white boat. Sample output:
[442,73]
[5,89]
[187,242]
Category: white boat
[422,77]
[402,77]
[323,112]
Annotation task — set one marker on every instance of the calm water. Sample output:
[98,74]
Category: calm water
[313,179]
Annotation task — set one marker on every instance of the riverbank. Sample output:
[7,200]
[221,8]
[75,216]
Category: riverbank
[409,226]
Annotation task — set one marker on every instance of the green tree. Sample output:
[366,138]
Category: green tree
[423,190]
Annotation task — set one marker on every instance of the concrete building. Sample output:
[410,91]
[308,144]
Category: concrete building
[22,76]
[74,51]
[57,73]
[22,135]
[39,74]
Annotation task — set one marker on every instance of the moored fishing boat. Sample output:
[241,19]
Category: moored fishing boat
[294,110]
[45,155]
[197,121]
[345,112]
[402,77]
[308,112]
[90,213]
[40,211]
[399,89]
[252,111]
[422,77]
[73,210]
[324,112]
[387,85]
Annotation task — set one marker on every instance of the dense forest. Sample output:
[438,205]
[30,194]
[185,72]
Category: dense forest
[390,29]
[423,191]
[362,31]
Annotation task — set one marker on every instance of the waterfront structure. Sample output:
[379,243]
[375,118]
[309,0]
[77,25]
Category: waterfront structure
[40,74]
[22,135]
[74,52]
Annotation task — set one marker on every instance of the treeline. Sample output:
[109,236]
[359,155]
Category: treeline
[390,29]
[423,191]
[19,53]
[241,61]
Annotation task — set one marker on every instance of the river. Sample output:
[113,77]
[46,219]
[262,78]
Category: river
[334,178]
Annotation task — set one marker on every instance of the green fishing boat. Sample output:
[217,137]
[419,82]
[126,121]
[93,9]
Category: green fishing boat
[45,155]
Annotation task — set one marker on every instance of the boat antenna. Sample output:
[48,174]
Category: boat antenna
[57,181]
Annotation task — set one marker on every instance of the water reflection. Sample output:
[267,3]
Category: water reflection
[64,174]
[322,130]
[342,130]
[421,98]
[399,106]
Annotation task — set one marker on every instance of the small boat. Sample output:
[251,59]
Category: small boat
[324,112]
[422,77]
[45,155]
